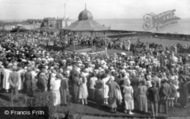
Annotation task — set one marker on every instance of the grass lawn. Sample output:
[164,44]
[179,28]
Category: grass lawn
[95,109]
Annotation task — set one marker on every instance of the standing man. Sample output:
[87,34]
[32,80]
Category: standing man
[153,97]
[75,81]
[28,88]
[14,83]
[165,92]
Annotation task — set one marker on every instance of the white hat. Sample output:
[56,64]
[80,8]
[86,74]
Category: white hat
[123,53]
[111,68]
[112,78]
[149,84]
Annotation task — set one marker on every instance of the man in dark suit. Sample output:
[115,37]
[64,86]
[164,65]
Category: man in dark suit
[165,92]
[153,97]
[28,82]
[75,81]
[64,90]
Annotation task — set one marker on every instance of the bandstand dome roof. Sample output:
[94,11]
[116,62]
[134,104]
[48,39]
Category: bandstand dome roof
[85,22]
[85,15]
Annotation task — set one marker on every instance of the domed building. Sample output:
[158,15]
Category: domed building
[85,15]
[85,22]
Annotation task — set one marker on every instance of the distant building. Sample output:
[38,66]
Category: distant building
[34,21]
[8,27]
[31,26]
[55,23]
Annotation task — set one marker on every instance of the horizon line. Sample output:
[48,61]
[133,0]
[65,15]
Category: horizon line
[76,18]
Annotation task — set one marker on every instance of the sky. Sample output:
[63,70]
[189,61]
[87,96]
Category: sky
[101,9]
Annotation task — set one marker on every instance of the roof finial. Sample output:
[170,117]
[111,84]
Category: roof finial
[85,6]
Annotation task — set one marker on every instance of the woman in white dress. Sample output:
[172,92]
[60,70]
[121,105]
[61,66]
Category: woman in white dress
[6,74]
[83,91]
[34,79]
[21,71]
[174,82]
[105,89]
[128,97]
[55,85]
[52,76]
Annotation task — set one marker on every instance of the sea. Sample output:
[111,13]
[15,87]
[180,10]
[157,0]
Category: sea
[181,27]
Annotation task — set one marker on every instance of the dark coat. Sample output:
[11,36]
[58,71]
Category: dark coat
[153,94]
[64,90]
[184,92]
[42,82]
[165,91]
[75,81]
[112,87]
[112,94]
[28,83]
[1,78]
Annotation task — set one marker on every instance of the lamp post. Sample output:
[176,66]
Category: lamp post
[105,42]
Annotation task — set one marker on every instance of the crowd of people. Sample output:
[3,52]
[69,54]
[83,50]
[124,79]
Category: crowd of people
[157,77]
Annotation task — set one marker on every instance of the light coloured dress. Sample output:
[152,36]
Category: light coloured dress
[55,85]
[20,85]
[142,98]
[34,79]
[128,96]
[83,91]
[6,74]
[105,86]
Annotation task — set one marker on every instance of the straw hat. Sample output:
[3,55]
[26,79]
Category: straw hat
[126,82]
[15,68]
[59,76]
[149,83]
[112,78]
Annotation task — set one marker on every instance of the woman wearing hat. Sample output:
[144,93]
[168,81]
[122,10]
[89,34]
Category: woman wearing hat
[64,89]
[113,86]
[128,97]
[105,88]
[56,89]
[83,91]
[141,96]
[42,81]
[6,73]
[92,84]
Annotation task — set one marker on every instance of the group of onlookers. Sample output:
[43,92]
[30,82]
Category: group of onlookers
[156,78]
